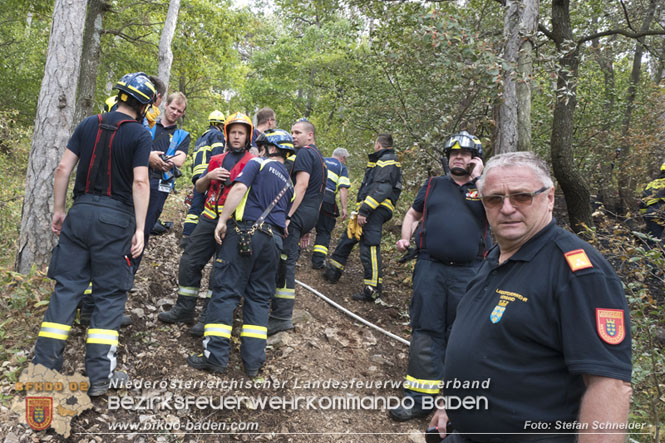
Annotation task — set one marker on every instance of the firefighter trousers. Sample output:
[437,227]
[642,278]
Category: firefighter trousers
[324,227]
[437,289]
[199,250]
[94,244]
[370,248]
[194,213]
[235,277]
[301,223]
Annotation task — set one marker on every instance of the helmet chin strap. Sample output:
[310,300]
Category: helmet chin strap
[458,171]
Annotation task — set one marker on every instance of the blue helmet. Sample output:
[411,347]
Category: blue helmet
[280,139]
[464,140]
[137,85]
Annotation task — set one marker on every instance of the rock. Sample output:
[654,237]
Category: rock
[165,301]
[301,317]
[140,313]
[11,438]
[659,336]
[416,436]
[368,338]
[280,339]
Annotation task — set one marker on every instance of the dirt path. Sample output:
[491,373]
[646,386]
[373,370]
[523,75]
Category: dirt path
[328,380]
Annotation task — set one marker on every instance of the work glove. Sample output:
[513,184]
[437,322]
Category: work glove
[354,229]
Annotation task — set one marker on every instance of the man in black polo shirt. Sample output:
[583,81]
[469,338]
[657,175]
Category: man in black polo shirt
[309,174]
[545,324]
[451,240]
[101,232]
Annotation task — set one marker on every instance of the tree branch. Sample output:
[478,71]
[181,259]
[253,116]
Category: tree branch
[625,13]
[623,32]
[547,32]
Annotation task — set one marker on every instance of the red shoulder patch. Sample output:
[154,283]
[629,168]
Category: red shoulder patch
[611,325]
[577,260]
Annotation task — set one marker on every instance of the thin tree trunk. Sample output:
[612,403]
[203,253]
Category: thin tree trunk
[53,123]
[626,181]
[92,38]
[165,51]
[514,116]
[575,189]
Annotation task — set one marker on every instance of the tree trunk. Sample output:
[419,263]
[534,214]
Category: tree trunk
[575,189]
[514,117]
[626,181]
[90,59]
[53,123]
[165,52]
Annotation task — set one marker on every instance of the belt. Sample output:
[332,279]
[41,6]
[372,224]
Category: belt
[426,256]
[106,201]
[266,228]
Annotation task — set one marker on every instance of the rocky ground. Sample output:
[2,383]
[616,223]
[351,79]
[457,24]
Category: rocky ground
[328,357]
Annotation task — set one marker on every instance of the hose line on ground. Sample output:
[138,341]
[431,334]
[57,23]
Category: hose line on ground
[351,314]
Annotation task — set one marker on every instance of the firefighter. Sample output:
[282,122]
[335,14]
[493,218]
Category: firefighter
[449,255]
[377,196]
[261,196]
[210,143]
[216,183]
[651,205]
[101,232]
[309,174]
[338,182]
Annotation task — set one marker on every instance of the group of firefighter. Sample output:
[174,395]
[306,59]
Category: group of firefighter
[258,194]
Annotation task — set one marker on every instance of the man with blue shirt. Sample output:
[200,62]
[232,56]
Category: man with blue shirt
[452,238]
[541,343]
[338,182]
[247,261]
[102,231]
[309,174]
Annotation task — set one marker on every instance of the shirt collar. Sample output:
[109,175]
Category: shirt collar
[529,249]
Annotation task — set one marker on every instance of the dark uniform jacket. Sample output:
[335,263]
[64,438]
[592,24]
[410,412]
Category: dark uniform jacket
[382,183]
[208,144]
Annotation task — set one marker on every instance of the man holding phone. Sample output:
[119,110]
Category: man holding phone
[452,238]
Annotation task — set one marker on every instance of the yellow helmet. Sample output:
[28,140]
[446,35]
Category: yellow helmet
[110,103]
[216,117]
[239,117]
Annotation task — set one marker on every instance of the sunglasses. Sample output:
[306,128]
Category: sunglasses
[519,199]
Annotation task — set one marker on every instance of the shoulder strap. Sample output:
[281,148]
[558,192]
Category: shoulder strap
[422,231]
[98,180]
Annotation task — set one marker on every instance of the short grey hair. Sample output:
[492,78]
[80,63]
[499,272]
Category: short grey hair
[525,159]
[340,152]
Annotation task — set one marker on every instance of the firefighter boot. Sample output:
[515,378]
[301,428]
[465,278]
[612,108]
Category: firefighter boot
[332,274]
[370,293]
[119,379]
[281,315]
[198,329]
[181,312]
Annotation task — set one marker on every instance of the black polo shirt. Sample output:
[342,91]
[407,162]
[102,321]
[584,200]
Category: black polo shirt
[162,140]
[310,160]
[130,148]
[454,227]
[533,325]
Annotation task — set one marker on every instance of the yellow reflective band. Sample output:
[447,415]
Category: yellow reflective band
[287,293]
[189,291]
[424,386]
[382,164]
[344,182]
[388,204]
[103,337]
[191,218]
[209,213]
[320,248]
[254,331]
[371,164]
[369,201]
[216,145]
[88,291]
[375,266]
[336,264]
[200,169]
[332,176]
[283,256]
[217,330]
[56,331]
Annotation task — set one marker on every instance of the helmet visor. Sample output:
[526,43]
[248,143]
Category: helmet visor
[462,142]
